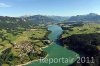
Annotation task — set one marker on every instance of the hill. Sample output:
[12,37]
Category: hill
[83,38]
[21,39]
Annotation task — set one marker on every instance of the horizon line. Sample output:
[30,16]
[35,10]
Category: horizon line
[27,15]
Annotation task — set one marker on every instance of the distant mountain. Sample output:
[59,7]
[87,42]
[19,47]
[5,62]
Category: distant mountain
[45,19]
[89,17]
[40,19]
[58,18]
[27,21]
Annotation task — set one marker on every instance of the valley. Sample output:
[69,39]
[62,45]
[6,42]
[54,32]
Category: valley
[24,40]
[49,33]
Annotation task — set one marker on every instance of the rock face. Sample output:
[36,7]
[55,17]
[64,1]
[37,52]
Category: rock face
[86,46]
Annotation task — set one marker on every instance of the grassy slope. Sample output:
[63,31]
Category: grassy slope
[24,36]
[85,29]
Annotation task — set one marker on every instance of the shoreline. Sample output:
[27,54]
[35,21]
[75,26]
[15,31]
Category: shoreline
[37,59]
[32,61]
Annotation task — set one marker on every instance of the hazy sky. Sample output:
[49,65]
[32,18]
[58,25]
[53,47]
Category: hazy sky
[48,7]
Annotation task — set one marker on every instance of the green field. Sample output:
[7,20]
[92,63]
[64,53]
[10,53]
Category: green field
[85,29]
[15,45]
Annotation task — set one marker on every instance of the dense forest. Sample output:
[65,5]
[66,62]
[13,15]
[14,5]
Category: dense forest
[83,39]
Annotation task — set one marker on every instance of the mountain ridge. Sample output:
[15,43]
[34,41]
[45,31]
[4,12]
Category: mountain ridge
[88,17]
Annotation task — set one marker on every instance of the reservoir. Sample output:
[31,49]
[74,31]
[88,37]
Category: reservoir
[56,51]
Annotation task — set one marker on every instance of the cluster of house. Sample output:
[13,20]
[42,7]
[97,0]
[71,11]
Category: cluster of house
[25,47]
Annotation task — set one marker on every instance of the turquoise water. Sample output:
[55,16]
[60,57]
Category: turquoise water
[56,31]
[56,51]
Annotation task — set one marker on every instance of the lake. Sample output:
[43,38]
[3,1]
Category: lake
[56,51]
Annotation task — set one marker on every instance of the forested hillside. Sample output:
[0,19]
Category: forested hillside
[83,38]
